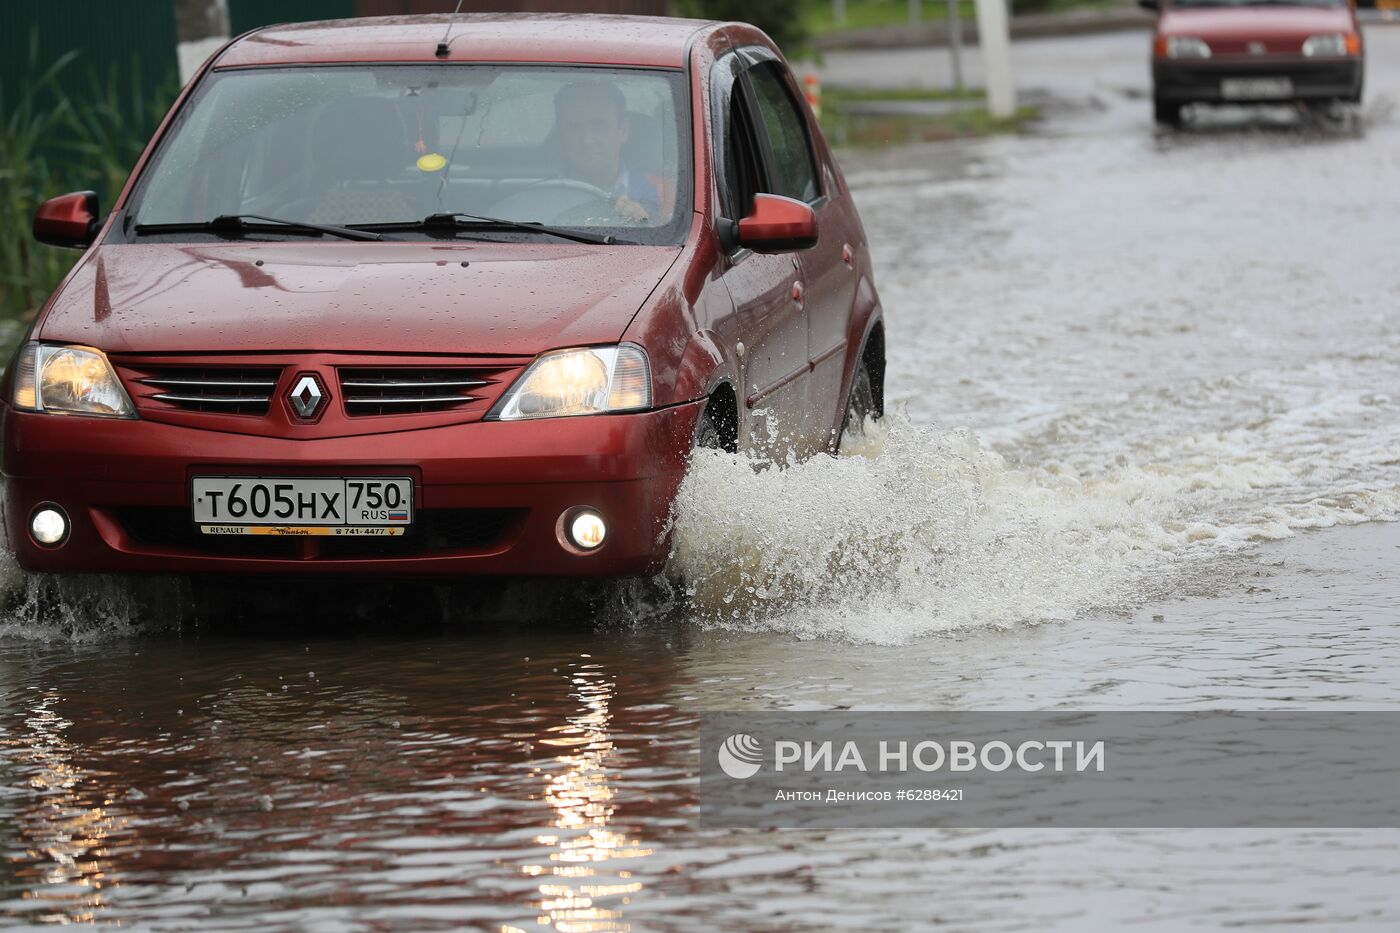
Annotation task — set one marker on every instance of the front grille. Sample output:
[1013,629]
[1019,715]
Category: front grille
[401,391]
[432,531]
[230,391]
[1206,76]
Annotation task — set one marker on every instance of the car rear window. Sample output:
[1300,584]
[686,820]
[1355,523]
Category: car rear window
[587,148]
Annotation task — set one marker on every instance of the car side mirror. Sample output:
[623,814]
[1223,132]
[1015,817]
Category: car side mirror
[67,220]
[775,225]
[1153,5]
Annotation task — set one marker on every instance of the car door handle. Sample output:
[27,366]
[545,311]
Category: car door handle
[797,292]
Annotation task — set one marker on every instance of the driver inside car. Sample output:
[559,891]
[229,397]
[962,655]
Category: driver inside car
[591,119]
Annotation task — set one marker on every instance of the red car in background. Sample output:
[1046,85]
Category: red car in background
[1253,52]
[435,296]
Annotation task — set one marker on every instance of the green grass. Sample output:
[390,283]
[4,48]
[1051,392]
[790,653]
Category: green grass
[817,15]
[1063,6]
[847,129]
[875,14]
[840,96]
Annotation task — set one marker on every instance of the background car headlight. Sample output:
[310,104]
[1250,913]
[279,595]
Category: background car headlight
[1333,45]
[1187,47]
[582,381]
[72,380]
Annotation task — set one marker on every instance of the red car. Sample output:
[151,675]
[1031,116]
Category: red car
[1253,52]
[434,296]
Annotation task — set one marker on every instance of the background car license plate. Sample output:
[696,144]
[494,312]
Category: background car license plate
[245,504]
[1256,88]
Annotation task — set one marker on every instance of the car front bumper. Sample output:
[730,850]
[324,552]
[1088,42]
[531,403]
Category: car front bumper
[1200,81]
[488,495]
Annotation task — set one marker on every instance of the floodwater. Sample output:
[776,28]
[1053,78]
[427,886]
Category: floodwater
[1145,454]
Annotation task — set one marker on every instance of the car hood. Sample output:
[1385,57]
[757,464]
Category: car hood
[1255,23]
[507,298]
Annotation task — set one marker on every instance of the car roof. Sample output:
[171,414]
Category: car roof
[655,41]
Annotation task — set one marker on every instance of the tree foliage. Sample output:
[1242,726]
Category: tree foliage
[780,19]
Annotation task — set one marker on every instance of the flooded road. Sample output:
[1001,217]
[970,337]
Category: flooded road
[1144,454]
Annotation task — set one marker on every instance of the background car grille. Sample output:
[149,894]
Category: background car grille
[401,391]
[433,530]
[230,391]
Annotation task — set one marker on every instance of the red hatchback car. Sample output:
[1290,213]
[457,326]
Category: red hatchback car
[1254,52]
[436,296]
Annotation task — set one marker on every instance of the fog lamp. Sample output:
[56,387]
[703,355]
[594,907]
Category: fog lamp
[587,530]
[49,526]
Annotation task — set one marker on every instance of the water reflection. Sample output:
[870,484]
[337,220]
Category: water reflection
[503,783]
[578,893]
[59,855]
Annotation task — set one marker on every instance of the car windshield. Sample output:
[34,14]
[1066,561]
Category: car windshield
[598,150]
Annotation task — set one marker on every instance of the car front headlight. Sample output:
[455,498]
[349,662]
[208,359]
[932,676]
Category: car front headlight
[68,380]
[579,381]
[1331,45]
[1187,47]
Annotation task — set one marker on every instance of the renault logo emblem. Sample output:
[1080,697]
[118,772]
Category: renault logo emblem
[306,397]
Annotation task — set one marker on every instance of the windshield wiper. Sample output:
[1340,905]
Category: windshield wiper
[460,220]
[238,223]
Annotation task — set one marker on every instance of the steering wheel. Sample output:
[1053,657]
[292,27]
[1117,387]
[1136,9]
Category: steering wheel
[559,200]
[574,184]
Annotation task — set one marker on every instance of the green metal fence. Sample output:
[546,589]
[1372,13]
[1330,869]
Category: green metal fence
[244,15]
[82,87]
[119,46]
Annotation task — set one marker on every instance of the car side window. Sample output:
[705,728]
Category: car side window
[741,168]
[737,162]
[792,169]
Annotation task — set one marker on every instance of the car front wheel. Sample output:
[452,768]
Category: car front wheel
[860,405]
[707,436]
[1166,112]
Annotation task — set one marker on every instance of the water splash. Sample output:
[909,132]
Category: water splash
[87,608]
[919,531]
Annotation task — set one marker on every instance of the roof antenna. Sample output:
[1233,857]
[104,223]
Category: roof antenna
[442,50]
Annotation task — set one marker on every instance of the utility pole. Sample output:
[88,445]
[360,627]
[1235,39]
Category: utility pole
[994,36]
[955,41]
[201,27]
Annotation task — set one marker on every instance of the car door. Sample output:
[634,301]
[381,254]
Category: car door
[765,288]
[827,271]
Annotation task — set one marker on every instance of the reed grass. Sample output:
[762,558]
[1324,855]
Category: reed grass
[53,141]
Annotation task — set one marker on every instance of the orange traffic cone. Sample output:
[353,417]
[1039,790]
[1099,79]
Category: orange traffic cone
[812,84]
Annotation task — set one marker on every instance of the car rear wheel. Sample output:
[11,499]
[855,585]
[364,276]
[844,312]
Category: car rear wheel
[1166,112]
[707,436]
[860,405]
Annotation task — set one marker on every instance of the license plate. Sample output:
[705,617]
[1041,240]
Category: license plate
[1256,88]
[354,505]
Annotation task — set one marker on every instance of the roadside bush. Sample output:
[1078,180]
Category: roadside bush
[51,143]
[27,270]
[781,19]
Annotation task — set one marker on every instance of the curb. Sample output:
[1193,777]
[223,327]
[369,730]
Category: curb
[1030,26]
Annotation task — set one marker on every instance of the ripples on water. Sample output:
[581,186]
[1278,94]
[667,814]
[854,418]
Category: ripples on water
[165,783]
